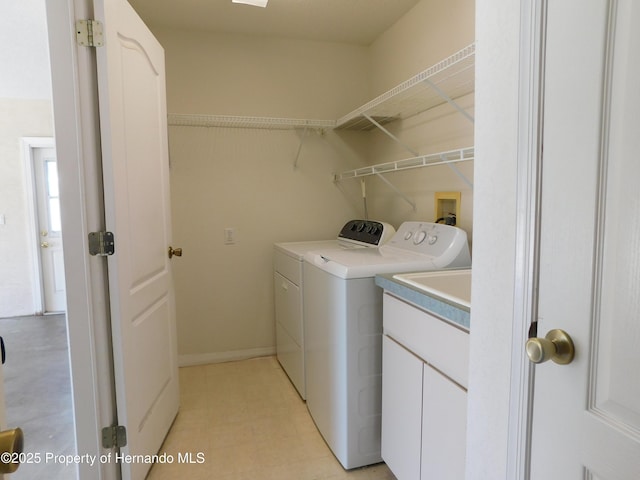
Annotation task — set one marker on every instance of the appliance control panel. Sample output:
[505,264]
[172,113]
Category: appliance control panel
[427,238]
[366,232]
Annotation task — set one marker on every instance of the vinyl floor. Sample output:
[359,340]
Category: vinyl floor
[245,421]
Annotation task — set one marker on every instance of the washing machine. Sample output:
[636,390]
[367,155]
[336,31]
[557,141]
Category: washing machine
[343,331]
[289,291]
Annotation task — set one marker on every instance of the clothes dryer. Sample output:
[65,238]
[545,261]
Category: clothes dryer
[343,331]
[289,288]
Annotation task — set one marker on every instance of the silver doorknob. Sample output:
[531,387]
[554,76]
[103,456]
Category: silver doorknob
[557,346]
[175,251]
[11,446]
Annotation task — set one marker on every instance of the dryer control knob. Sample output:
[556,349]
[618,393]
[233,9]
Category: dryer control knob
[432,239]
[408,235]
[419,238]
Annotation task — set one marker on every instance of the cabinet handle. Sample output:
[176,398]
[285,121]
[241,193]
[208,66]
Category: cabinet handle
[285,286]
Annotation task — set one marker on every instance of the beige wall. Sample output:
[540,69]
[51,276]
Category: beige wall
[18,118]
[244,178]
[230,74]
[25,111]
[431,31]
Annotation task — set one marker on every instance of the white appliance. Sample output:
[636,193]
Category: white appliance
[343,331]
[288,288]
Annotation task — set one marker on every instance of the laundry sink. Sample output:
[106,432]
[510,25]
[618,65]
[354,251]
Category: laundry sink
[451,285]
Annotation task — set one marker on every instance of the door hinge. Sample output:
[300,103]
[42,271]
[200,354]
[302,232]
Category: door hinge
[89,33]
[115,436]
[101,244]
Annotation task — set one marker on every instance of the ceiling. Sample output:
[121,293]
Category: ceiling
[345,21]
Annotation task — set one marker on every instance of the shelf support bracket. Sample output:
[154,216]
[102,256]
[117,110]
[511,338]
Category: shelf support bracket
[395,189]
[304,135]
[396,139]
[449,100]
[457,171]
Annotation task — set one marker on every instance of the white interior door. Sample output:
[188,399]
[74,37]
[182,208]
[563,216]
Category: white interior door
[49,228]
[132,98]
[586,415]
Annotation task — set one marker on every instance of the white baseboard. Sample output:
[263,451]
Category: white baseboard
[220,357]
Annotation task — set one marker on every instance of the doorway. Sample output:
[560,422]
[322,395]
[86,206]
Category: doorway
[44,207]
[37,384]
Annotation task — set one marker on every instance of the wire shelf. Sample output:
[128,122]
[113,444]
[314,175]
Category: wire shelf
[191,120]
[442,158]
[454,76]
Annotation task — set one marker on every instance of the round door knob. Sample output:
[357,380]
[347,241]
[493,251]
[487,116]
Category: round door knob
[557,346]
[175,251]
[11,447]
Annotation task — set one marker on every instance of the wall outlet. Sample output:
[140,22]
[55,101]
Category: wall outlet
[230,236]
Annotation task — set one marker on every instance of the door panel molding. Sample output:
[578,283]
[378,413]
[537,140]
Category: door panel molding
[613,399]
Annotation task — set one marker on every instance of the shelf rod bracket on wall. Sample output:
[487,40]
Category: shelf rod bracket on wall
[304,135]
[397,190]
[449,100]
[396,139]
[457,171]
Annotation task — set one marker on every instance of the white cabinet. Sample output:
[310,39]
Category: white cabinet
[444,427]
[401,406]
[424,397]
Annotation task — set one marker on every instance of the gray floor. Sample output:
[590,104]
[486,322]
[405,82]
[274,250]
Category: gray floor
[38,392]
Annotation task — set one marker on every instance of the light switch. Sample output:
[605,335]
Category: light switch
[229,236]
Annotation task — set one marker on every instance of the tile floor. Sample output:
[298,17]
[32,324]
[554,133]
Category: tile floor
[247,421]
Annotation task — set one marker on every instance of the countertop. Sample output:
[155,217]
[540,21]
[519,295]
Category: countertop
[455,313]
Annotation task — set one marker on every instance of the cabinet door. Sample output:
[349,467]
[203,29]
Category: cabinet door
[444,427]
[401,410]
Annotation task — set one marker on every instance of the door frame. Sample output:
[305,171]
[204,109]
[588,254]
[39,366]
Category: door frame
[75,114]
[526,261]
[76,125]
[28,144]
